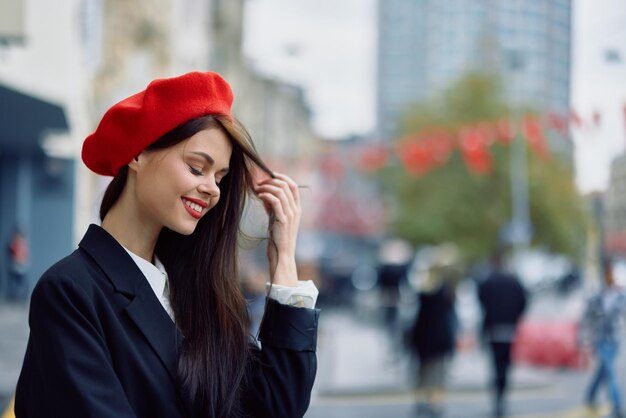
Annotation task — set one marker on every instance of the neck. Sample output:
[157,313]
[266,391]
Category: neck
[129,228]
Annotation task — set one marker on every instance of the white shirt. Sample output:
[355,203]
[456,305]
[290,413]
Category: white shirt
[302,296]
[157,279]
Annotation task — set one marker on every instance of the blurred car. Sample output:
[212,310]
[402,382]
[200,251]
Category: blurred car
[540,270]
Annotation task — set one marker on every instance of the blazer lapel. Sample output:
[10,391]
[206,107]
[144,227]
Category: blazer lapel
[144,309]
[158,328]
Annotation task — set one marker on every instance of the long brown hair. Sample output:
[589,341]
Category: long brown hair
[202,268]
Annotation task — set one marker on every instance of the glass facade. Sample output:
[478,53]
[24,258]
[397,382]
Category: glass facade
[425,45]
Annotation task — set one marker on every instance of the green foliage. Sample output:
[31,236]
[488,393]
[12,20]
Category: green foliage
[451,204]
[558,212]
[475,97]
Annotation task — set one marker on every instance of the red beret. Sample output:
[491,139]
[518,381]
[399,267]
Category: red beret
[129,126]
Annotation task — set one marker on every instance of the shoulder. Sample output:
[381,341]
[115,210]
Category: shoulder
[510,280]
[75,265]
[71,293]
[77,272]
[490,282]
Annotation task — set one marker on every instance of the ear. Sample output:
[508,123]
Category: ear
[134,163]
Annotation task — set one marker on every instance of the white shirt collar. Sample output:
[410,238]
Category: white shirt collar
[155,274]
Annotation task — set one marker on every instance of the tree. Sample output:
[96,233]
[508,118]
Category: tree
[466,198]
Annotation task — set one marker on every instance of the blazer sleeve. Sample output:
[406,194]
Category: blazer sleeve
[67,370]
[283,370]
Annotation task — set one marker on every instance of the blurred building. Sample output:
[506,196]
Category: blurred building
[42,115]
[614,209]
[425,45]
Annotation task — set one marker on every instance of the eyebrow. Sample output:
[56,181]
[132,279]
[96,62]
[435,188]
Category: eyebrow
[209,159]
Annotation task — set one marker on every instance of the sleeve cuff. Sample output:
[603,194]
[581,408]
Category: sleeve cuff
[302,296]
[289,327]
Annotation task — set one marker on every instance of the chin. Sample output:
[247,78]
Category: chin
[184,229]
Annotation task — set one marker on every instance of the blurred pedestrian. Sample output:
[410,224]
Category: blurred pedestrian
[146,318]
[393,264]
[601,326]
[433,335]
[503,300]
[570,281]
[18,266]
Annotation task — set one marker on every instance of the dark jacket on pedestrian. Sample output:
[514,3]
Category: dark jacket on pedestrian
[102,346]
[433,333]
[503,300]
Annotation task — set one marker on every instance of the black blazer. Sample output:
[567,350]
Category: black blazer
[101,345]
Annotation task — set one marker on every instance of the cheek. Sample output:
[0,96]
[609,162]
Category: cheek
[153,190]
[160,189]
[148,194]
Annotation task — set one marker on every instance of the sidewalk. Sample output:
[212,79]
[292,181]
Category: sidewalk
[356,357]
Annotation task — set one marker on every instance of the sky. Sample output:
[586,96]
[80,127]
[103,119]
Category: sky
[326,46]
[329,48]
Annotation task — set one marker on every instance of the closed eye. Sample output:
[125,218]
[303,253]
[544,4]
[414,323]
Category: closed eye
[194,171]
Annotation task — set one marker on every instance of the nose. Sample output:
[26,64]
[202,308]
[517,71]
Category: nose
[209,187]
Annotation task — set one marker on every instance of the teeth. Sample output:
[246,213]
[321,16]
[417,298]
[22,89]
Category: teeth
[193,206]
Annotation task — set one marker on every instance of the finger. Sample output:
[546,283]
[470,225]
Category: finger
[293,186]
[287,188]
[273,205]
[290,212]
[282,191]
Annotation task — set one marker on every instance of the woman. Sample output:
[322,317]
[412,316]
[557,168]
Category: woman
[146,317]
[433,335]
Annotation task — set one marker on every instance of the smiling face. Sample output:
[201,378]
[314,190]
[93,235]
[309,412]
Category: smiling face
[176,186]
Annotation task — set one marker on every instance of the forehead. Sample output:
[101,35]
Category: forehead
[211,141]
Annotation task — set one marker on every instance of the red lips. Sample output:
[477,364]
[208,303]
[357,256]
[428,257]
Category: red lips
[196,214]
[202,203]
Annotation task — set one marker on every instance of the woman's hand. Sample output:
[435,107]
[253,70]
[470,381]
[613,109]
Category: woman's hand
[281,199]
